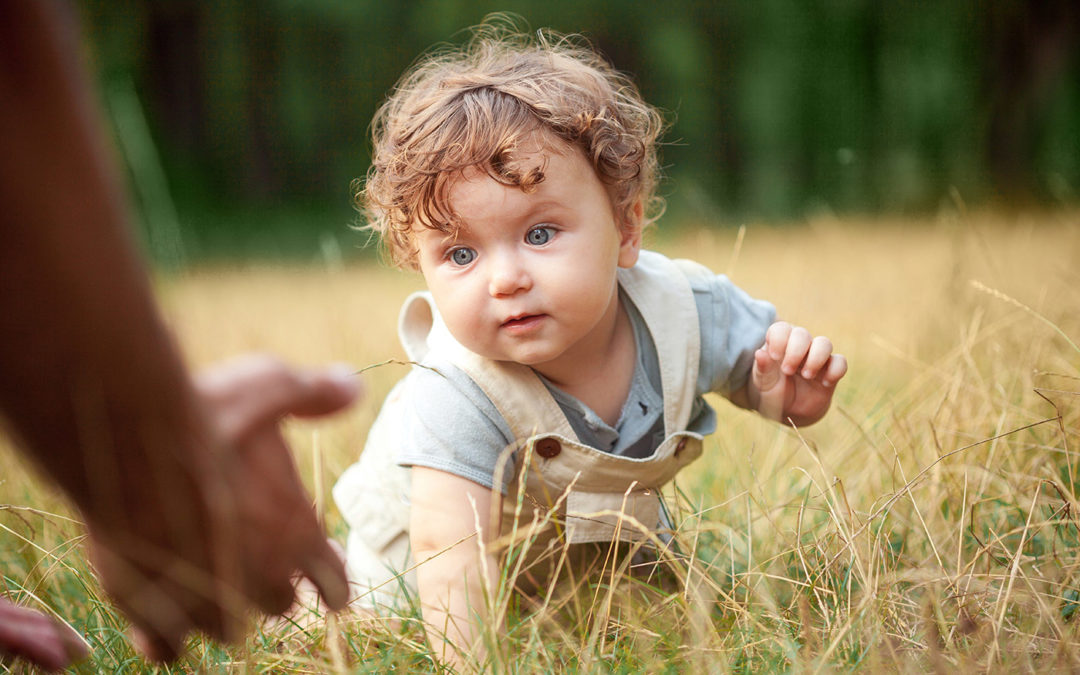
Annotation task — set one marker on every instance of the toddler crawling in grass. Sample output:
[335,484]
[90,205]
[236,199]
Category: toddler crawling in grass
[564,367]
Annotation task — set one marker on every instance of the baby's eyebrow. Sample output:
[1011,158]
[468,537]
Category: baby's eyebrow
[451,237]
[544,205]
[447,227]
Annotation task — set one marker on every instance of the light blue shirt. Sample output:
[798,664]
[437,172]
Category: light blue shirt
[450,424]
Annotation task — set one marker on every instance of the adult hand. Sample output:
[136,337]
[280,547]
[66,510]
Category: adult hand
[256,528]
[246,400]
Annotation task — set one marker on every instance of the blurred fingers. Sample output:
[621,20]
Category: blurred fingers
[323,391]
[153,645]
[254,390]
[326,569]
[275,593]
[273,587]
[281,534]
[158,625]
[38,638]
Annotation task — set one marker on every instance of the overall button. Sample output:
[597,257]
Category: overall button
[680,445]
[548,447]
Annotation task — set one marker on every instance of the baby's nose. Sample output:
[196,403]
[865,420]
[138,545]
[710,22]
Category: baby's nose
[508,276]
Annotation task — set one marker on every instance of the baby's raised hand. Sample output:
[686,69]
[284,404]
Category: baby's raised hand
[794,375]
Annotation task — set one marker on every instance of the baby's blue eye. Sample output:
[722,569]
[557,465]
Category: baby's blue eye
[462,256]
[539,235]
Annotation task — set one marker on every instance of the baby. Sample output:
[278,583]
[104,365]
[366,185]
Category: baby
[563,367]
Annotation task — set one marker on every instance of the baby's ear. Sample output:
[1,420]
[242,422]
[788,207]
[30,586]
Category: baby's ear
[630,235]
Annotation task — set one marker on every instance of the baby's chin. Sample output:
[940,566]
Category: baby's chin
[534,361]
[523,358]
[535,355]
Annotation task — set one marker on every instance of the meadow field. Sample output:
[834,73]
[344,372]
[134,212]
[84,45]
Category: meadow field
[929,523]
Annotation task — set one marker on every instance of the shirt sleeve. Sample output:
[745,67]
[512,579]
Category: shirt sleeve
[733,326]
[450,425]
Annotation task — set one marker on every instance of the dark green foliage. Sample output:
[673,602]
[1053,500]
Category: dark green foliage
[779,109]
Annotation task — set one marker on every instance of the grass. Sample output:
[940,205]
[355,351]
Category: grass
[929,523]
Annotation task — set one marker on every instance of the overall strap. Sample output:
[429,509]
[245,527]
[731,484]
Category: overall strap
[660,289]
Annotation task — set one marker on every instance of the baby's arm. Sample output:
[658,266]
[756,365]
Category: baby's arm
[794,376]
[454,565]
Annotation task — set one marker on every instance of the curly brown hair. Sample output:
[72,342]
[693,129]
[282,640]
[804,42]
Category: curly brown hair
[459,108]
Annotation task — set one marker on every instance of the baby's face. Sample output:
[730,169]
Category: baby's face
[530,277]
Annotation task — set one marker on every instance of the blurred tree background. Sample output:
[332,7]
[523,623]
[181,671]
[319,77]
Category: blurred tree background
[243,122]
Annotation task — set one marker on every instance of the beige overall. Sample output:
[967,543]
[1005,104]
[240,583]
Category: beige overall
[562,489]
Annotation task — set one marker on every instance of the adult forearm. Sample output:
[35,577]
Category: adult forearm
[91,379]
[192,500]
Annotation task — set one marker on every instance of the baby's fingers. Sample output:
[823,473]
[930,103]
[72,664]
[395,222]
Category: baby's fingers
[776,339]
[797,346]
[770,385]
[818,356]
[833,371]
[766,370]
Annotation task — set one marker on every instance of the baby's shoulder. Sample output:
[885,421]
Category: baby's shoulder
[702,280]
[445,422]
[438,395]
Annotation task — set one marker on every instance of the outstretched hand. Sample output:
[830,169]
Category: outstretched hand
[279,535]
[794,375]
[257,527]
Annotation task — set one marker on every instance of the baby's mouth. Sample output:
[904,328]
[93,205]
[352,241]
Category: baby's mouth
[522,322]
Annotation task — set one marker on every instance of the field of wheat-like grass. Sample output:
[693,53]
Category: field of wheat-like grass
[929,523]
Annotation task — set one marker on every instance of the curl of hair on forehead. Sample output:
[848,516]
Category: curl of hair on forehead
[478,105]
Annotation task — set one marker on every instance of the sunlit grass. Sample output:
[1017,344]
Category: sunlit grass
[929,523]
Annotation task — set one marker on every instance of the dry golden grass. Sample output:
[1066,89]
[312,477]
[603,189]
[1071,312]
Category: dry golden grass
[929,523]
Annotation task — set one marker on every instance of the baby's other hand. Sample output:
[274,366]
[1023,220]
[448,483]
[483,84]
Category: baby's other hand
[794,375]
